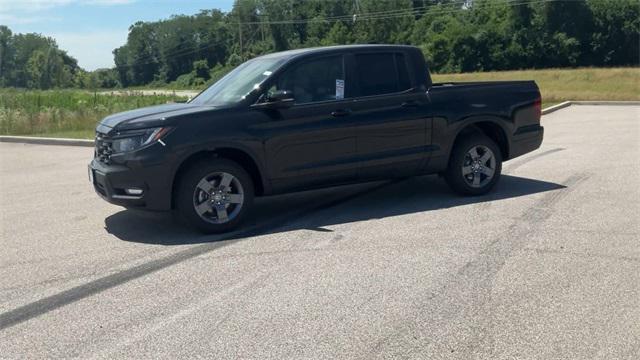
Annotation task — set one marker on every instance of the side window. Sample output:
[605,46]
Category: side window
[315,80]
[382,73]
[403,73]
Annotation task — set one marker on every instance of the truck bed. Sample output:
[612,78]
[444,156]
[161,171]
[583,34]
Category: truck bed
[514,106]
[456,100]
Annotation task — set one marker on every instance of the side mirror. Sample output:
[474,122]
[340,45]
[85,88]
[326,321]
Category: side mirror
[279,99]
[281,95]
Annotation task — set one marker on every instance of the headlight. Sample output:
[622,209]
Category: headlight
[129,141]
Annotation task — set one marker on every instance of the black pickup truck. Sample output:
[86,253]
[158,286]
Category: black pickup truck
[312,118]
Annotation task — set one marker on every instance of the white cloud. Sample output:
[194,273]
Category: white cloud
[92,49]
[8,6]
[12,6]
[107,2]
[10,19]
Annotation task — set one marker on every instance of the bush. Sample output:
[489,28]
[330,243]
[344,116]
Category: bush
[201,69]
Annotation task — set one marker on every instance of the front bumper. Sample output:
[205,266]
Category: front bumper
[111,181]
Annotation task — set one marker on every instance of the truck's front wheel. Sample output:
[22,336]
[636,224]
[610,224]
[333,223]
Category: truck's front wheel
[215,196]
[475,165]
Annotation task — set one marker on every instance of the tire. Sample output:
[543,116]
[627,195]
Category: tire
[214,195]
[474,173]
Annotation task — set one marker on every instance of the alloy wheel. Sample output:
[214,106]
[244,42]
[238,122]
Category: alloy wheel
[479,166]
[218,197]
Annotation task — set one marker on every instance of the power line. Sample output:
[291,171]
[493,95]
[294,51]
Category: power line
[363,17]
[448,8]
[406,12]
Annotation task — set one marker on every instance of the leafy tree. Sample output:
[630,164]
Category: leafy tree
[339,34]
[394,28]
[6,55]
[234,60]
[106,78]
[615,37]
[32,60]
[455,35]
[121,59]
[201,69]
[36,70]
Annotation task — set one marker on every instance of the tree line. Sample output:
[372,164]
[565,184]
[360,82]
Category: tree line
[455,35]
[35,61]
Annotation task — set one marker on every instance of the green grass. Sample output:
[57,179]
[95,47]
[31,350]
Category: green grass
[75,113]
[558,85]
[65,113]
[69,134]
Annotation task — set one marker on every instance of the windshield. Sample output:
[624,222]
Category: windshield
[237,84]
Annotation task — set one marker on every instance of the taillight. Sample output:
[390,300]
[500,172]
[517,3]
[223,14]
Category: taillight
[538,106]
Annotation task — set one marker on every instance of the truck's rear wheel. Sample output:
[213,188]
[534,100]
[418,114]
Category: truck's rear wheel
[215,196]
[475,165]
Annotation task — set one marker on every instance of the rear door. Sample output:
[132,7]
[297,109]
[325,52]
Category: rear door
[394,132]
[314,141]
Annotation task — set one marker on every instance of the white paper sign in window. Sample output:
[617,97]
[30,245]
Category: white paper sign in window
[339,89]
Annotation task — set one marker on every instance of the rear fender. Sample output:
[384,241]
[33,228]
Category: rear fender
[450,132]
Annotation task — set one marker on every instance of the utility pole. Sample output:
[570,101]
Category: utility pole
[356,10]
[261,29]
[240,36]
[1,57]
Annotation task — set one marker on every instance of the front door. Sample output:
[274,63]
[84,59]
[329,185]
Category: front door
[314,141]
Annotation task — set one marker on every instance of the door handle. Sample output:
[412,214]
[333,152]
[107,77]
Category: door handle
[340,112]
[409,103]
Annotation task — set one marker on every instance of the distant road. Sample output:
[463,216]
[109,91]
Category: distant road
[185,93]
[545,267]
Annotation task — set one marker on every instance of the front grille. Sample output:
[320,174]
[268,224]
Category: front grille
[103,148]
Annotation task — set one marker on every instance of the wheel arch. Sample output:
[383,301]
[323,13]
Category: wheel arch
[238,155]
[491,127]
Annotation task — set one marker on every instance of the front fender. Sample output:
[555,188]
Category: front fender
[255,153]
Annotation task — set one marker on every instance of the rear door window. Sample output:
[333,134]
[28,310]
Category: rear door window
[404,83]
[381,73]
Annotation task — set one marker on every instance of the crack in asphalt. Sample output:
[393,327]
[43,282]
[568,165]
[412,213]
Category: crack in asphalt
[50,303]
[518,163]
[511,167]
[53,302]
[242,286]
[466,293]
[587,255]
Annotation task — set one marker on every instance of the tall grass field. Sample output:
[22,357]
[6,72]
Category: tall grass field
[75,113]
[558,85]
[66,113]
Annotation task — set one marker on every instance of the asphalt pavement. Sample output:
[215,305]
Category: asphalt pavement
[545,267]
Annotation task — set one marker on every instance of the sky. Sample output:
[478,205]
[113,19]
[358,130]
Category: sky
[89,30]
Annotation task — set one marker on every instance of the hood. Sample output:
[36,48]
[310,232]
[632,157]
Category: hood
[150,116]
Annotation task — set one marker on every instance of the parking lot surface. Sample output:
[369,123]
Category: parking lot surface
[547,266]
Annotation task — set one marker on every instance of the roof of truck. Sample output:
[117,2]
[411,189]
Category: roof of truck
[306,51]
